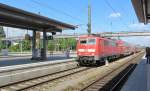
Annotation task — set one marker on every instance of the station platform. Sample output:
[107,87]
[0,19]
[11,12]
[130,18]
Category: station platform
[139,79]
[10,61]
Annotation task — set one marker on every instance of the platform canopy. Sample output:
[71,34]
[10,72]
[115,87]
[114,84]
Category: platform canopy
[14,17]
[142,9]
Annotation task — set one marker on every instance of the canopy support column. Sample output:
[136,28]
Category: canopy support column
[34,45]
[44,54]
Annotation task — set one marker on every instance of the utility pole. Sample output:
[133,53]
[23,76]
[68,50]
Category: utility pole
[89,18]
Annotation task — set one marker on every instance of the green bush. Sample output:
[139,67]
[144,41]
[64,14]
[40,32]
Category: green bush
[63,44]
[26,45]
[2,45]
[14,48]
[51,45]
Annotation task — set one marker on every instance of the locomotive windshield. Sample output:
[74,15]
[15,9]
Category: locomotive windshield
[83,41]
[90,41]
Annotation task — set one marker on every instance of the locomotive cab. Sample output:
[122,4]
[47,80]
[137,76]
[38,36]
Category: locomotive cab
[87,49]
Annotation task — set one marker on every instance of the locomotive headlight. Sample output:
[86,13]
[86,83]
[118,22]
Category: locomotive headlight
[91,50]
[81,50]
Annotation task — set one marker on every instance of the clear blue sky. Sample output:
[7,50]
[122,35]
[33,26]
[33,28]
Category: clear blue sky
[107,15]
[77,12]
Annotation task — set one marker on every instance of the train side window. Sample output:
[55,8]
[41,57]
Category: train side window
[106,43]
[109,43]
[114,44]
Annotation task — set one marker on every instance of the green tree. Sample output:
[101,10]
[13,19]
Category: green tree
[67,43]
[72,43]
[2,45]
[26,45]
[2,35]
[14,48]
[63,44]
[51,45]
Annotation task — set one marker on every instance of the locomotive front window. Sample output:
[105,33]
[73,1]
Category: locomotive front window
[91,41]
[83,41]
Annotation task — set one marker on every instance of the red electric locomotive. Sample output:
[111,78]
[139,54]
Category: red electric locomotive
[92,49]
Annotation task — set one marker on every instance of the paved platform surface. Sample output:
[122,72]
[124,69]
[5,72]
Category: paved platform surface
[139,79]
[10,61]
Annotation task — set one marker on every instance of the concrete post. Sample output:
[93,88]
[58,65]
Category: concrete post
[44,55]
[106,62]
[34,45]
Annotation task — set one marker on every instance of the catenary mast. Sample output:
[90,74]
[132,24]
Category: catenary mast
[89,18]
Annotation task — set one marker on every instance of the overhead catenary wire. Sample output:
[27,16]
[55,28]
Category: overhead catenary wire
[110,6]
[83,10]
[56,10]
[131,20]
[114,10]
[60,12]
[85,25]
[79,25]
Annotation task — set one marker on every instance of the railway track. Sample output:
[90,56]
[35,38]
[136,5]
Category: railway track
[77,81]
[70,75]
[24,85]
[114,80]
[18,73]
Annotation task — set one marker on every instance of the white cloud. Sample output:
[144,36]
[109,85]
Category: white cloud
[115,15]
[139,27]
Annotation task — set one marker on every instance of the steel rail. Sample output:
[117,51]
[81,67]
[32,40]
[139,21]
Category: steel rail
[99,83]
[23,85]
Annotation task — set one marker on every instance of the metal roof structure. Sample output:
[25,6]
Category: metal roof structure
[142,9]
[14,17]
[105,34]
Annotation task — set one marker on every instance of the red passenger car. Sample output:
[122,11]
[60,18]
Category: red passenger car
[121,47]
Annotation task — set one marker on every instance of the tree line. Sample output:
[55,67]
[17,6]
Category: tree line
[60,44]
[52,45]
